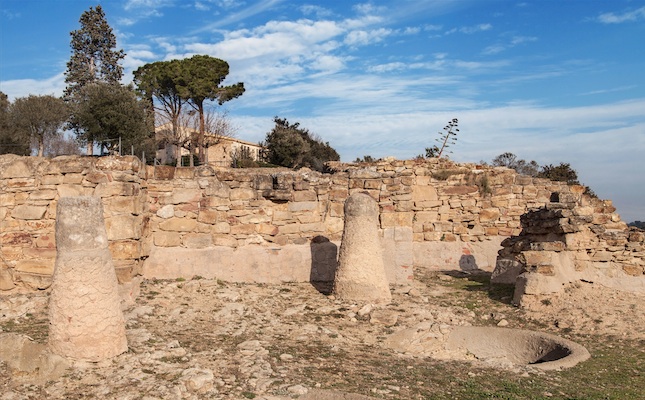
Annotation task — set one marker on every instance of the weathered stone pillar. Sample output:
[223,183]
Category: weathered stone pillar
[85,318]
[361,273]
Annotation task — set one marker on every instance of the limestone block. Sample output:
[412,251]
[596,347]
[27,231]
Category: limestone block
[397,219]
[125,249]
[33,281]
[86,322]
[216,189]
[224,240]
[364,173]
[535,258]
[165,212]
[243,229]
[96,177]
[458,190]
[6,279]
[164,172]
[242,194]
[123,205]
[197,240]
[184,173]
[51,180]
[289,229]
[43,194]
[39,253]
[28,212]
[489,214]
[305,195]
[18,239]
[181,195]
[66,190]
[178,224]
[338,194]
[221,227]
[167,239]
[210,216]
[21,183]
[268,229]
[16,169]
[116,189]
[361,272]
[423,193]
[263,182]
[73,179]
[119,163]
[308,218]
[124,227]
[316,227]
[303,206]
[255,218]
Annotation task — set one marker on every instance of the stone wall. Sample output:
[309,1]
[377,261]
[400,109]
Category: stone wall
[573,238]
[29,191]
[262,225]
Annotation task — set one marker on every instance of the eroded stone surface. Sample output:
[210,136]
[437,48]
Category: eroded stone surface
[361,273]
[86,322]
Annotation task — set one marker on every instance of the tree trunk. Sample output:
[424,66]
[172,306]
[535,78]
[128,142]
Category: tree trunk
[41,147]
[90,148]
[202,129]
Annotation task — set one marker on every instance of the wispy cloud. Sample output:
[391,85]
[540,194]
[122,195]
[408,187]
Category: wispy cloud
[363,38]
[142,9]
[610,90]
[515,41]
[257,8]
[470,29]
[315,10]
[626,16]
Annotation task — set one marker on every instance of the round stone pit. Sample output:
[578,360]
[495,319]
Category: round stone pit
[519,347]
[493,346]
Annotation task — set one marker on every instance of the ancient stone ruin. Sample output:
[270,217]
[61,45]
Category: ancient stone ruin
[361,273]
[573,238]
[85,318]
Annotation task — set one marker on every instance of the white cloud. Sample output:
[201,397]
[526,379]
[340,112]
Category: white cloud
[201,6]
[232,18]
[470,29]
[149,4]
[515,41]
[627,16]
[318,11]
[364,38]
[24,87]
[229,4]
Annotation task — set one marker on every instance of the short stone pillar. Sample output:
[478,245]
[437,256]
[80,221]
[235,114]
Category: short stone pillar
[361,273]
[85,318]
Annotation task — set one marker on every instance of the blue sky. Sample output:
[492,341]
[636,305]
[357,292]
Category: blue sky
[549,80]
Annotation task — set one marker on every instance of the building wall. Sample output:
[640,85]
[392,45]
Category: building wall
[263,225]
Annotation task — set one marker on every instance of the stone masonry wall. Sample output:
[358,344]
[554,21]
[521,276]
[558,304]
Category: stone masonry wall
[29,191]
[573,238]
[262,224]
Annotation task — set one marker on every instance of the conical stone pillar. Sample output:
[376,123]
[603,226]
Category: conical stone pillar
[85,318]
[361,273]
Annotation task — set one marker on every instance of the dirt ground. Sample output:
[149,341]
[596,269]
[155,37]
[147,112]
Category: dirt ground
[207,339]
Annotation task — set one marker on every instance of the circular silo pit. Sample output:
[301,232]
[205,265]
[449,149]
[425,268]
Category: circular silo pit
[518,347]
[494,347]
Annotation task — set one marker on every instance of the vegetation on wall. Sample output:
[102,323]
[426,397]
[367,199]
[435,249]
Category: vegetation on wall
[446,139]
[562,172]
[289,145]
